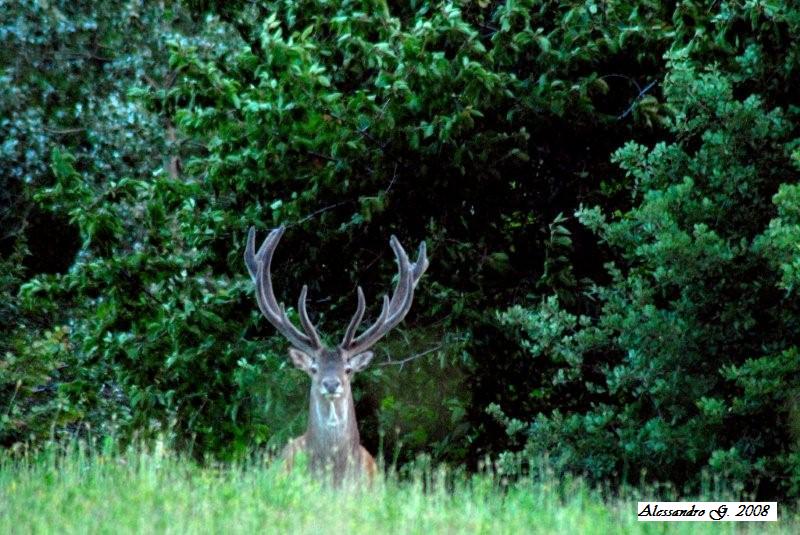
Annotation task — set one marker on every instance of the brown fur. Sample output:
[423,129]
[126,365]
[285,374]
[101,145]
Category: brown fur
[332,451]
[297,445]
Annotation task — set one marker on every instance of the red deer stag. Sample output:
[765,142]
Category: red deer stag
[331,440]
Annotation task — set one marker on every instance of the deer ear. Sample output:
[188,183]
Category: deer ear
[301,360]
[361,361]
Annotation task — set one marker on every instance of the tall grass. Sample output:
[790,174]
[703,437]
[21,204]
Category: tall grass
[155,491]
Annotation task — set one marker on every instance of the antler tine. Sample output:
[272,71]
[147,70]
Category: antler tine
[252,258]
[265,294]
[263,277]
[421,264]
[250,253]
[371,330]
[356,321]
[395,310]
[308,327]
[264,257]
[401,290]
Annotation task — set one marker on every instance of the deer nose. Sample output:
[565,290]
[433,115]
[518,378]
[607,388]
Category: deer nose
[331,386]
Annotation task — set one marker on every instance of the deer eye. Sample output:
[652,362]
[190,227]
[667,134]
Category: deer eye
[348,369]
[313,368]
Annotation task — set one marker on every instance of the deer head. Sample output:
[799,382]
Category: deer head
[308,352]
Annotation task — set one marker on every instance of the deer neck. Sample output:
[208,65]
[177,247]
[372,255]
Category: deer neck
[332,431]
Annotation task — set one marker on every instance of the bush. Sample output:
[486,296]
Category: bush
[349,124]
[688,362]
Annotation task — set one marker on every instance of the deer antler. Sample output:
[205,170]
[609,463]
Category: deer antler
[394,310]
[258,264]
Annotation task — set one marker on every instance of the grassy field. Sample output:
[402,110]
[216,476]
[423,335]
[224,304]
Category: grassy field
[159,493]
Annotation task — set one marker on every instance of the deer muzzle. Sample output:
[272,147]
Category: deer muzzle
[331,388]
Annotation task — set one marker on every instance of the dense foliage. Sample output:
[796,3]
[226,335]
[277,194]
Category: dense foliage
[65,73]
[689,356]
[653,332]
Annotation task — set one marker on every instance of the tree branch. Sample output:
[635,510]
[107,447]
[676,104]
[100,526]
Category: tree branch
[403,362]
[642,93]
